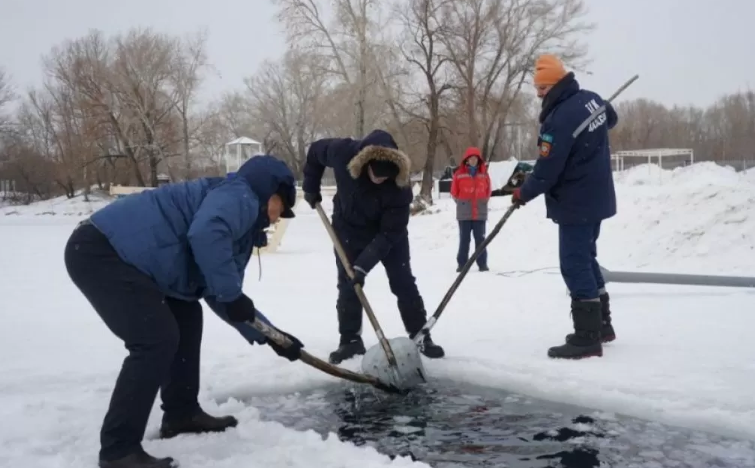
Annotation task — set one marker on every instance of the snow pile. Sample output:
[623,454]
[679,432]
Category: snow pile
[500,172]
[684,355]
[682,218]
[700,174]
[60,206]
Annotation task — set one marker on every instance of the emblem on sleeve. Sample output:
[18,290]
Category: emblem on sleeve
[545,149]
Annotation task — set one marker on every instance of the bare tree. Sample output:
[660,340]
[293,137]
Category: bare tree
[421,49]
[723,132]
[141,75]
[85,65]
[493,44]
[287,99]
[6,96]
[343,44]
[189,62]
[210,137]
[234,110]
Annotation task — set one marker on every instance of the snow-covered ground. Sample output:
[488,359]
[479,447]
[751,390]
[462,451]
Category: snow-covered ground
[60,206]
[684,355]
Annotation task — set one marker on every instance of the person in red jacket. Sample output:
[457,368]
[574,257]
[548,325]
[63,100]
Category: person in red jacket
[471,190]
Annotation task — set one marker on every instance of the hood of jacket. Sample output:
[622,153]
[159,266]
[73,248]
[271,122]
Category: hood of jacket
[380,146]
[265,175]
[482,168]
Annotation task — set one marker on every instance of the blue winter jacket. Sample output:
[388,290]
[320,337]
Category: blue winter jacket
[369,217]
[195,238]
[573,173]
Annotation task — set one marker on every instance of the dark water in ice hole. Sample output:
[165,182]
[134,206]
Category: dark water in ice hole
[449,425]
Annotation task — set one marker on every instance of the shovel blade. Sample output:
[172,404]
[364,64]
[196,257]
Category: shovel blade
[411,372]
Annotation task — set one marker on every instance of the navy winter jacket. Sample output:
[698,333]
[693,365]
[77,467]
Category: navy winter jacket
[574,174]
[368,217]
[195,238]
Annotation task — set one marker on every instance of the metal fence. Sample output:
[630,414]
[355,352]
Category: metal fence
[738,165]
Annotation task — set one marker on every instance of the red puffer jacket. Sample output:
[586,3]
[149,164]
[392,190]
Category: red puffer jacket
[471,192]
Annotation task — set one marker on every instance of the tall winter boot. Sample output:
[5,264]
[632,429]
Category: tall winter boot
[414,316]
[585,341]
[197,423]
[607,334]
[429,348]
[348,348]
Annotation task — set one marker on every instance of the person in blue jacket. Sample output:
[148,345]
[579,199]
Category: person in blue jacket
[574,175]
[370,216]
[144,262]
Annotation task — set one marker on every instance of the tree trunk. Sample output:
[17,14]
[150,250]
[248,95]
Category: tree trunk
[362,91]
[301,154]
[187,157]
[153,162]
[426,190]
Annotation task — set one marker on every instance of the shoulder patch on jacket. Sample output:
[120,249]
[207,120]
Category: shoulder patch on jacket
[545,149]
[547,137]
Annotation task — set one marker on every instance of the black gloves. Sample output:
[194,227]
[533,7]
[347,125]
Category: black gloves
[359,276]
[293,352]
[241,310]
[312,199]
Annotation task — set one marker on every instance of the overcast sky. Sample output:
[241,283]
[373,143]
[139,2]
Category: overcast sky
[685,51]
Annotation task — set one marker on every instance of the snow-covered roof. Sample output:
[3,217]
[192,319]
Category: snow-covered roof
[243,141]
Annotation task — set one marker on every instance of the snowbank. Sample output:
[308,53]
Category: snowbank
[60,206]
[684,355]
[500,172]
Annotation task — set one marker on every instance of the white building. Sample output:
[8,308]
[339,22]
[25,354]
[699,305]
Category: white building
[240,150]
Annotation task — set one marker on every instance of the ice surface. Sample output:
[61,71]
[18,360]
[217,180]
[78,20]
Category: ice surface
[684,355]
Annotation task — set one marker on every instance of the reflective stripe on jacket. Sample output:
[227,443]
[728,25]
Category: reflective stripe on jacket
[471,193]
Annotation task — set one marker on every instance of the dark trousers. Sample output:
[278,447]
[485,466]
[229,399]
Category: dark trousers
[403,285]
[468,229]
[162,335]
[578,252]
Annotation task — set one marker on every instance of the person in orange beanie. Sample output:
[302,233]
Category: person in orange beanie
[574,175]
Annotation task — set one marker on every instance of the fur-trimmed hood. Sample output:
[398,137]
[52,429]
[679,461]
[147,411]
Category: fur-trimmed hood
[380,146]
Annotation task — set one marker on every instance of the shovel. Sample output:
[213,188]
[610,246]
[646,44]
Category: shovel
[460,277]
[282,340]
[404,373]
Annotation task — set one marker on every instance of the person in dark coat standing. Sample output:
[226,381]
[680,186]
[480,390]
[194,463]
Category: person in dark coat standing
[370,217]
[144,261]
[471,190]
[574,175]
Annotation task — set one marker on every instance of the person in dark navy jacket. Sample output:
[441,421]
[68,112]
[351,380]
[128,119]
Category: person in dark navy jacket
[144,261]
[575,177]
[370,216]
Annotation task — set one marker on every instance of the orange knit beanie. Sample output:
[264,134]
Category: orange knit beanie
[548,70]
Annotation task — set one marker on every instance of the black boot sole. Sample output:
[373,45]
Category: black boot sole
[439,355]
[169,433]
[336,361]
[581,356]
[587,354]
